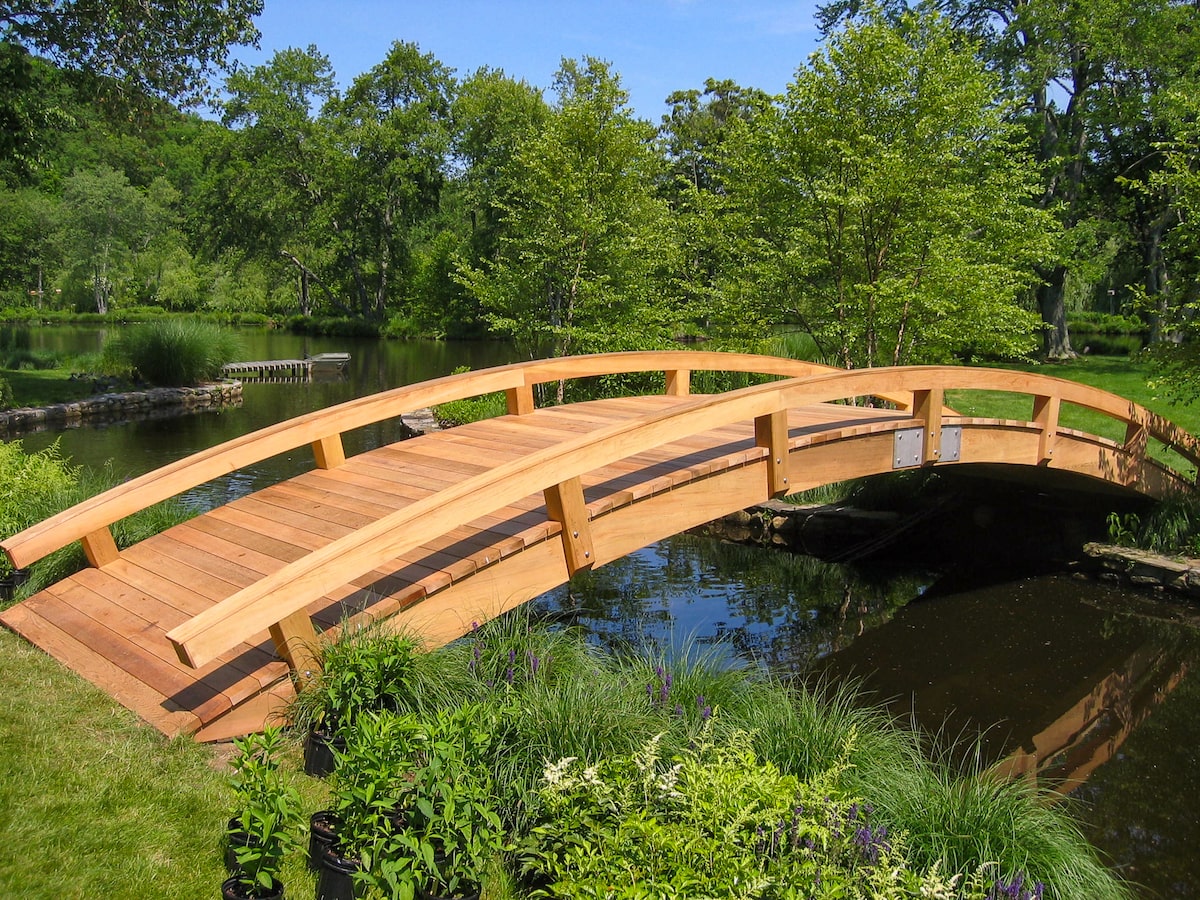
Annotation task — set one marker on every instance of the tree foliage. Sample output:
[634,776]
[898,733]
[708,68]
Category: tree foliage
[162,48]
[884,203]
[584,231]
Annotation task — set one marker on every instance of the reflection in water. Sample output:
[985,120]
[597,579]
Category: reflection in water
[782,610]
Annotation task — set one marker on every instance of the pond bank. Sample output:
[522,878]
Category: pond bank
[114,407]
[825,529]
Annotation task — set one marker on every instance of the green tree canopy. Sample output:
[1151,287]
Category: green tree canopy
[585,235]
[884,203]
[162,48]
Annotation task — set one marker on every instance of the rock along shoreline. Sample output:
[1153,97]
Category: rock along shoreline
[114,407]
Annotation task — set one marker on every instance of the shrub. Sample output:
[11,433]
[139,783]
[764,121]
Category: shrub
[472,409]
[32,487]
[174,352]
[7,400]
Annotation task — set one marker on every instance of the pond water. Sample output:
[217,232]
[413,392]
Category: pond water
[1094,688]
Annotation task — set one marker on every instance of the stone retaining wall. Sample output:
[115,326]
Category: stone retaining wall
[1141,568]
[119,406]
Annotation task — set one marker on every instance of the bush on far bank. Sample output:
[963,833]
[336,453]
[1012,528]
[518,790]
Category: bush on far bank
[172,352]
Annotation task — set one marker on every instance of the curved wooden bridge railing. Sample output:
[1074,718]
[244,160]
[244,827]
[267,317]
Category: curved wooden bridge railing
[278,601]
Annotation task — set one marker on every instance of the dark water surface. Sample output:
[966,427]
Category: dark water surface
[1095,689]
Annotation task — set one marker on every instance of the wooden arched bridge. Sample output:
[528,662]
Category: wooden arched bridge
[197,629]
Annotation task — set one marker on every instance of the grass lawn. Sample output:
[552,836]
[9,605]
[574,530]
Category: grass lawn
[1116,374]
[43,387]
[94,803]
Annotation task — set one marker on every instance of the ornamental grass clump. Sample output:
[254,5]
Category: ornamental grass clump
[172,352]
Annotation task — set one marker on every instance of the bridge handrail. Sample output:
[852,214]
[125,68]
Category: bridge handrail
[285,594]
[91,519]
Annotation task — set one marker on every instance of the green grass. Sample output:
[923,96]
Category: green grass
[93,803]
[45,387]
[1118,375]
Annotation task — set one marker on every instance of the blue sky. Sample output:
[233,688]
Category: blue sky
[657,46]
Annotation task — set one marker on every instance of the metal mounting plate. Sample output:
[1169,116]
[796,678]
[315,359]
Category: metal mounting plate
[908,450]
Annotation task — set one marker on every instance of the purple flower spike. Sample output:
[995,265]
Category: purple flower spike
[534,662]
[508,674]
[678,710]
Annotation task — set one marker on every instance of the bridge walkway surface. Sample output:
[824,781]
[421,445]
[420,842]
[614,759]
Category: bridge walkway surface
[204,628]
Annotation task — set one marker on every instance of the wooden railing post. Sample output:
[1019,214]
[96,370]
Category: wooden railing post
[295,642]
[771,432]
[519,400]
[1136,434]
[927,406]
[329,452]
[100,548]
[565,504]
[1046,410]
[679,382]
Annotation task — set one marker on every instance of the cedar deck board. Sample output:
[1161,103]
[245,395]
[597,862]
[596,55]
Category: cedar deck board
[108,624]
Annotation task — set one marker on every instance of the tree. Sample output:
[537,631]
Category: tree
[584,235]
[161,48]
[493,115]
[885,205]
[1064,59]
[392,133]
[270,183]
[106,219]
[694,134]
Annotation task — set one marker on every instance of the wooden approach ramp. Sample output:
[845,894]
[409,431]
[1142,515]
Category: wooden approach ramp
[203,628]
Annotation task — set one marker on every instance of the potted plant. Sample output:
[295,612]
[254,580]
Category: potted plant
[266,825]
[456,830]
[372,804]
[363,670]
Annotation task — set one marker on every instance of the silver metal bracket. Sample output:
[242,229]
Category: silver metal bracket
[951,443]
[908,448]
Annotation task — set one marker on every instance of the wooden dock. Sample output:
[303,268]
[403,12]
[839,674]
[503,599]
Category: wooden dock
[287,369]
[197,629]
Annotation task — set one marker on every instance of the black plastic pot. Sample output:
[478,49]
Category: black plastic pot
[234,839]
[322,831]
[319,760]
[466,892]
[231,889]
[335,880]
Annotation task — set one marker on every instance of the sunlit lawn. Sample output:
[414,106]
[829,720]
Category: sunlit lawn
[1116,374]
[95,804]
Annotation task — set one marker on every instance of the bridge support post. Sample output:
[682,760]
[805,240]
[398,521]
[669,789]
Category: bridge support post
[1045,414]
[565,504]
[295,642]
[771,432]
[100,548]
[679,382]
[519,400]
[927,406]
[329,452]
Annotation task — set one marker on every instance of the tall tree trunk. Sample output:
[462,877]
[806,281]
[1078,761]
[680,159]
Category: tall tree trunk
[1056,341]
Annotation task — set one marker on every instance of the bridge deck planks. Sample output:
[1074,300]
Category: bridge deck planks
[109,624]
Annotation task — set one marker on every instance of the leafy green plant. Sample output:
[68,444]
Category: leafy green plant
[713,820]
[31,487]
[416,801]
[362,670]
[173,352]
[1123,529]
[268,812]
